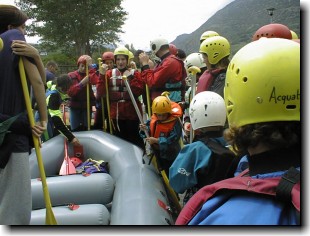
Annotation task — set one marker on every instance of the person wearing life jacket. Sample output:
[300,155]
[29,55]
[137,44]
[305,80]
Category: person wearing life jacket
[207,159]
[215,51]
[78,93]
[164,131]
[56,95]
[108,59]
[193,59]
[125,121]
[266,126]
[169,75]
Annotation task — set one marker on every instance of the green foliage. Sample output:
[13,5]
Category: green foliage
[75,27]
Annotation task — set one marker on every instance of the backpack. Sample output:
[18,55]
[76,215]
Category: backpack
[285,189]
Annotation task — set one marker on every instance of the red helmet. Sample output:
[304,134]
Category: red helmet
[83,59]
[76,161]
[108,56]
[173,49]
[273,31]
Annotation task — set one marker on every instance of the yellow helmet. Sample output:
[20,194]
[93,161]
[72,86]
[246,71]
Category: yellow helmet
[208,34]
[216,48]
[130,55]
[121,51]
[263,83]
[294,35]
[161,105]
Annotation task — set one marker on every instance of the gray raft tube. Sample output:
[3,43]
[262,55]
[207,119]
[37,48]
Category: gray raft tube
[139,190]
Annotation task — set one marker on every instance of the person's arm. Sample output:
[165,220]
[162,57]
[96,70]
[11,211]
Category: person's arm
[36,82]
[23,48]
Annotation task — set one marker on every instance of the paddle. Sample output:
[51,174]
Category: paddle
[67,167]
[50,218]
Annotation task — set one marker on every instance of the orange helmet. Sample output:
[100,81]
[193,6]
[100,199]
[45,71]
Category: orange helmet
[273,31]
[173,49]
[107,56]
[83,59]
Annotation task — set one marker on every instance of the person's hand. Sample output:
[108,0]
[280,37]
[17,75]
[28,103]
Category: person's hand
[142,127]
[127,73]
[103,69]
[84,81]
[39,128]
[144,58]
[22,48]
[133,65]
[76,142]
[187,128]
[152,140]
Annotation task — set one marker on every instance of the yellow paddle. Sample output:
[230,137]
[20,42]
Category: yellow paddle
[50,218]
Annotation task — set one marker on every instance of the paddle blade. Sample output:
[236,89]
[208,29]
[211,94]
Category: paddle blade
[67,167]
[50,218]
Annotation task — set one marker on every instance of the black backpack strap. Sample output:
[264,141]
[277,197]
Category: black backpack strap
[286,184]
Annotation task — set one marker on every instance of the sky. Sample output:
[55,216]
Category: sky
[149,19]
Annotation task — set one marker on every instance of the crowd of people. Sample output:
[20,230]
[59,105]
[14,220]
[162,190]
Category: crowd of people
[219,133]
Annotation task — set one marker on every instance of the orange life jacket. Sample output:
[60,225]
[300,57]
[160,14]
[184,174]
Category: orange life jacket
[163,128]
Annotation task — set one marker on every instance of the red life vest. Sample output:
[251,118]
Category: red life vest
[266,186]
[117,87]
[207,79]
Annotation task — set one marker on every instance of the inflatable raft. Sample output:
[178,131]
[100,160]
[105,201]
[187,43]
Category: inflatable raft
[132,193]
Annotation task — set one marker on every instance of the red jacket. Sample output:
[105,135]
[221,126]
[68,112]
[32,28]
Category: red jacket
[77,93]
[171,70]
[120,102]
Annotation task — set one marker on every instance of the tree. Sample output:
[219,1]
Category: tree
[70,24]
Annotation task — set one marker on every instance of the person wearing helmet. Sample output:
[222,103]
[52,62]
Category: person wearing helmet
[164,131]
[207,34]
[78,93]
[169,75]
[193,59]
[215,51]
[108,59]
[262,98]
[207,159]
[274,30]
[125,121]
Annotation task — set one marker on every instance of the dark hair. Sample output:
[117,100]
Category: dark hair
[273,134]
[11,15]
[51,63]
[181,54]
[63,81]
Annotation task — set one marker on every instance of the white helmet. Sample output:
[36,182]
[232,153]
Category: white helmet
[194,59]
[157,43]
[207,109]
